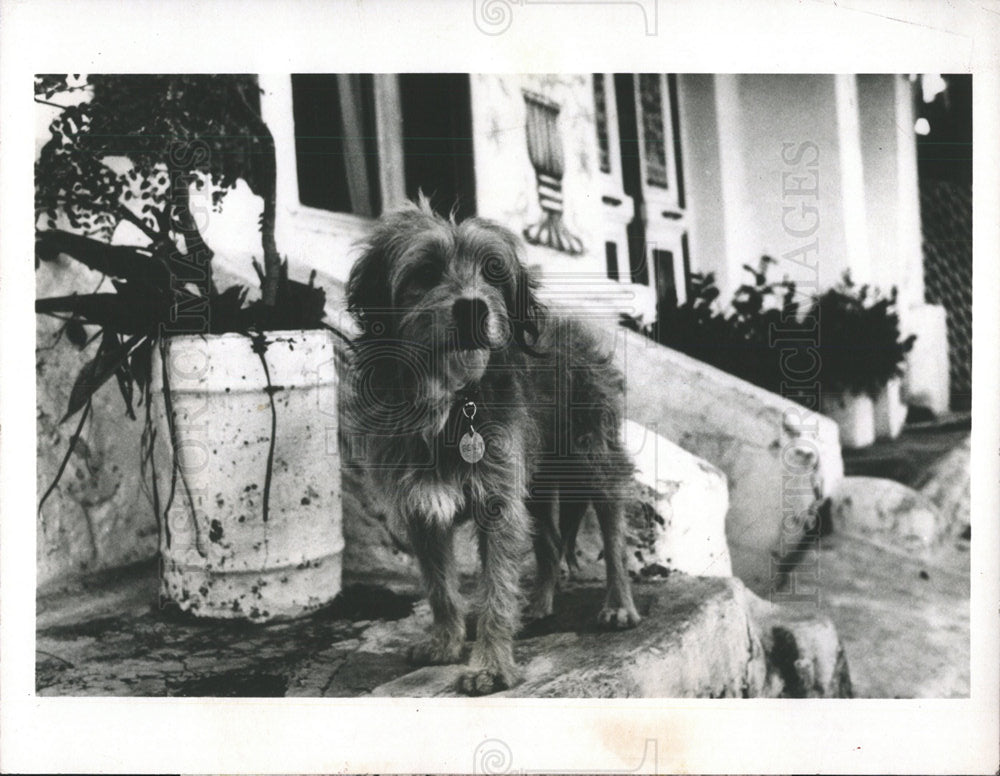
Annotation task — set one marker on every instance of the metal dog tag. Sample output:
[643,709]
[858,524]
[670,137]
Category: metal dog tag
[471,447]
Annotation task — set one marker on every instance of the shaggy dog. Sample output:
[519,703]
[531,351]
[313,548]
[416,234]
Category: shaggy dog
[472,403]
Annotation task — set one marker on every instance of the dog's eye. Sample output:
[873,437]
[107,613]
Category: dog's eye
[424,276]
[496,271]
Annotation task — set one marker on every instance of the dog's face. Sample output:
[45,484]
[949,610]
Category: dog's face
[452,293]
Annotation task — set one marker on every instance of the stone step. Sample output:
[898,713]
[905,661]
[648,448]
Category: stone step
[777,456]
[676,520]
[946,483]
[690,497]
[891,514]
[903,618]
[700,637]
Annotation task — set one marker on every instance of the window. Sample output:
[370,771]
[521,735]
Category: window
[336,156]
[631,174]
[350,146]
[356,135]
[639,151]
[611,258]
[437,140]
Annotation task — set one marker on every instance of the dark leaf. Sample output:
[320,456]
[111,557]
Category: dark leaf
[140,363]
[119,261]
[123,377]
[126,386]
[124,314]
[76,334]
[97,372]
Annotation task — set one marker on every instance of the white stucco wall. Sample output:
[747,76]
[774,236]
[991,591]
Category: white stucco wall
[506,186]
[735,129]
[892,200]
[745,149]
[505,178]
[738,134]
[703,180]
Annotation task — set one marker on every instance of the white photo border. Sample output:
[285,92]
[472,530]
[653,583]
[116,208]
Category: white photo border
[428,736]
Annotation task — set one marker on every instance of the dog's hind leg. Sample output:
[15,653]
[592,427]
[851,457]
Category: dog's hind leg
[433,545]
[503,528]
[571,512]
[619,610]
[548,553]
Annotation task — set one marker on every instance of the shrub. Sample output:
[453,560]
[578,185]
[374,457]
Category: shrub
[737,341]
[859,339]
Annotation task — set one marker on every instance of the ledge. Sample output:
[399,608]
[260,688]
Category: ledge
[700,638]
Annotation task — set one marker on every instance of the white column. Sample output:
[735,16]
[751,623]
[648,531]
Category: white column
[276,110]
[852,188]
[738,226]
[909,244]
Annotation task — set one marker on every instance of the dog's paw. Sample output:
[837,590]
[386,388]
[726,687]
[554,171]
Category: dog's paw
[538,608]
[435,652]
[484,681]
[618,617]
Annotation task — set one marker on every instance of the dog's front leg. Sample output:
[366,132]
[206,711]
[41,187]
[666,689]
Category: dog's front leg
[433,544]
[619,610]
[502,528]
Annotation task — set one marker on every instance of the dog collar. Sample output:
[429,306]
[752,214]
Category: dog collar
[471,446]
[467,394]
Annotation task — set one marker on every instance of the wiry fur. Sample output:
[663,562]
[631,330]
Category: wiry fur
[549,405]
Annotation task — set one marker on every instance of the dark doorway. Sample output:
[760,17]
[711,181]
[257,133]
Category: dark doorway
[437,140]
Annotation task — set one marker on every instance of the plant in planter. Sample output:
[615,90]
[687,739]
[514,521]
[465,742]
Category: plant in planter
[738,341]
[862,351]
[862,356]
[244,485]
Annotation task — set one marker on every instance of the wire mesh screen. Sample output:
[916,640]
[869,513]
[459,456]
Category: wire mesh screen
[946,213]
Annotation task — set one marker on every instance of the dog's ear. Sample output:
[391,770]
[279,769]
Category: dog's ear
[369,286]
[369,297]
[526,311]
[519,285]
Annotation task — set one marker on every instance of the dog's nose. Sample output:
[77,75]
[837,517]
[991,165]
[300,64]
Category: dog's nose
[470,316]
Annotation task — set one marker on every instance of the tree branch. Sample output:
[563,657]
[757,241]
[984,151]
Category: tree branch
[51,104]
[132,218]
[198,254]
[268,180]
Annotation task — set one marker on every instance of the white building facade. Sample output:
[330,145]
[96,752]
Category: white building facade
[623,185]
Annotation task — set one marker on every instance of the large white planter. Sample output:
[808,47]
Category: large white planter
[233,544]
[890,411]
[854,415]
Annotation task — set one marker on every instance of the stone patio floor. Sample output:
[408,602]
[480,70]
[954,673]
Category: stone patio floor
[903,622]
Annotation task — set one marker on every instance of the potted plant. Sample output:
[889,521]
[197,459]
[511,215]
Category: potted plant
[862,352]
[737,340]
[862,356]
[236,391]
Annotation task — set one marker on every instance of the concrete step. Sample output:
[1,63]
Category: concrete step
[890,514]
[902,618]
[701,637]
[777,457]
[676,520]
